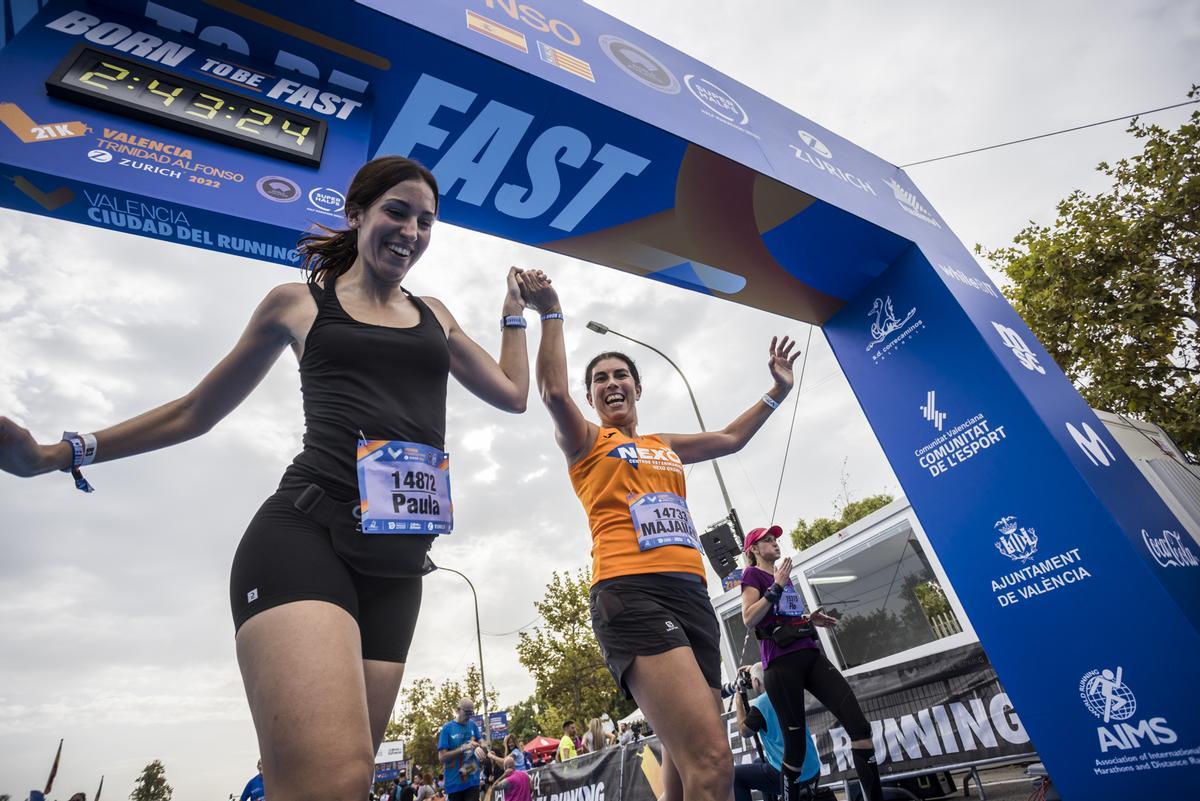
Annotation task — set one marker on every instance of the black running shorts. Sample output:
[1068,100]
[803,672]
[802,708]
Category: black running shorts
[287,556]
[648,614]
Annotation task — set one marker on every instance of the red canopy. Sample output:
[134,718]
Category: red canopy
[541,744]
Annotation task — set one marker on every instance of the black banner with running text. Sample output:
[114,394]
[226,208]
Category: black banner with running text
[931,713]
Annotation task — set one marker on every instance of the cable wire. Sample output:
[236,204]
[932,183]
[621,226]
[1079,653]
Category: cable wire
[792,427]
[1052,133]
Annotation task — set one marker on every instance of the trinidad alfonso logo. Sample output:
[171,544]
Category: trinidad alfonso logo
[1016,542]
[908,202]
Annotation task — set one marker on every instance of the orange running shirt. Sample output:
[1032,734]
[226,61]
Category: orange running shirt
[614,469]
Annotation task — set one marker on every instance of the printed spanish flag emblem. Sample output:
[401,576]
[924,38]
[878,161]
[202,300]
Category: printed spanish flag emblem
[494,30]
[565,61]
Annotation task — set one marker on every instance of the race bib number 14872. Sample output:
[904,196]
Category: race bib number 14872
[404,488]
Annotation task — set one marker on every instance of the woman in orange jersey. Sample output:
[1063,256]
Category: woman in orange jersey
[650,609]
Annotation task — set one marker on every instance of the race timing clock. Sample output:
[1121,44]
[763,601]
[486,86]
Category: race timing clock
[130,88]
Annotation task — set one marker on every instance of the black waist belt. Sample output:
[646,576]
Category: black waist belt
[314,502]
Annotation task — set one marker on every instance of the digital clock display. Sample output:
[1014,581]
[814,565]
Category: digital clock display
[122,86]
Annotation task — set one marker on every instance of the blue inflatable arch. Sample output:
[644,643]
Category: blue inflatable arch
[553,124]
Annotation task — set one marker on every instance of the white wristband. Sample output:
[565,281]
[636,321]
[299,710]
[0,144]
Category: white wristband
[89,449]
[767,399]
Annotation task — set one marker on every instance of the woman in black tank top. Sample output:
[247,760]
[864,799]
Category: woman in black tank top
[324,613]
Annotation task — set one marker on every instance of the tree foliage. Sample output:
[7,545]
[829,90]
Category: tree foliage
[422,709]
[806,534]
[152,784]
[562,655]
[1112,287]
[522,720]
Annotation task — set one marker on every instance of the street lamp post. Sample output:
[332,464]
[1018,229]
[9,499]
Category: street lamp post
[600,328]
[487,721]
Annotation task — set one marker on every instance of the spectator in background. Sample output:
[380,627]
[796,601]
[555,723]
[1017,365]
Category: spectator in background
[456,749]
[254,788]
[512,748]
[595,738]
[626,736]
[761,719]
[515,784]
[406,791]
[566,746]
[427,789]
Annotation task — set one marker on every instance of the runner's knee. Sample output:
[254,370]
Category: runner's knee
[343,780]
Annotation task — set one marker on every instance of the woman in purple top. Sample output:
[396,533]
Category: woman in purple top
[793,662]
[515,784]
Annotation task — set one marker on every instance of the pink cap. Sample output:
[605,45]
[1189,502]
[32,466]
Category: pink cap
[757,534]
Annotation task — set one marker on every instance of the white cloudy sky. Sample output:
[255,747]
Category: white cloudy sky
[114,620]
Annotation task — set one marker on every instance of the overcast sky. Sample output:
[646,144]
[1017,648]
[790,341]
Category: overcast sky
[115,630]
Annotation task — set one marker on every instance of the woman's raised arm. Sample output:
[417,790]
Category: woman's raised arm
[572,431]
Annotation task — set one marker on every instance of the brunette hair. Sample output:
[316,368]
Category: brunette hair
[329,252]
[610,354]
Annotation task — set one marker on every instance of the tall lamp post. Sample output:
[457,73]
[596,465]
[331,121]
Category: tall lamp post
[600,328]
[487,721]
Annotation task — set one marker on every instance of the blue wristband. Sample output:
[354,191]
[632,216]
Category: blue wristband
[553,316]
[513,321]
[81,454]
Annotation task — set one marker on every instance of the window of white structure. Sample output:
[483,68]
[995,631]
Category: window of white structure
[891,595]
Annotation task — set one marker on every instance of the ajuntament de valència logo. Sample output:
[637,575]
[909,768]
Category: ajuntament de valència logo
[1106,695]
[1018,543]
[1169,550]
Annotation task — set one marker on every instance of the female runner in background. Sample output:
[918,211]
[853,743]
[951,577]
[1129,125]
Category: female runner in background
[793,662]
[650,610]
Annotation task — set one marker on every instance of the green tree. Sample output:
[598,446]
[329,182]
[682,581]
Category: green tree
[422,709]
[806,534]
[152,784]
[522,720]
[563,657]
[1112,287]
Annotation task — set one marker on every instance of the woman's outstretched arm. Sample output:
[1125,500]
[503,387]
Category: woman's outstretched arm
[226,385]
[711,444]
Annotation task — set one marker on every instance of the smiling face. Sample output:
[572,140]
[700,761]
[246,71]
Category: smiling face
[613,392]
[393,232]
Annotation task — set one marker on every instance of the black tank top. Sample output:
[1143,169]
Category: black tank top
[389,383]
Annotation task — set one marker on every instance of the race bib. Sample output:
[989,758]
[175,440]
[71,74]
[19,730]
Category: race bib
[790,603]
[404,488]
[662,518]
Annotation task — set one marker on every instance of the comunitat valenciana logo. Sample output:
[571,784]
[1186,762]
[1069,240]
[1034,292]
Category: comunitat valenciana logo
[1106,695]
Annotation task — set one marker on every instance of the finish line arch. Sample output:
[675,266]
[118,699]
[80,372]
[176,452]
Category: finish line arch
[555,125]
